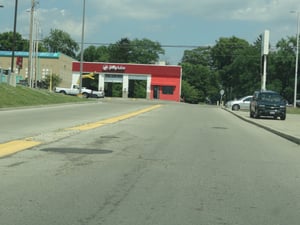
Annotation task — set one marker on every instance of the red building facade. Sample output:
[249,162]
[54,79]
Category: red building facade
[161,81]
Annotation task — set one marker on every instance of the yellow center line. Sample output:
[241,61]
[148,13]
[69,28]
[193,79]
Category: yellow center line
[16,146]
[93,125]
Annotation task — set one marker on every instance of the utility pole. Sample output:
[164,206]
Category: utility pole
[296,65]
[82,41]
[14,39]
[30,44]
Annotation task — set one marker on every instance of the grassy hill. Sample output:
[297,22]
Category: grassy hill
[24,96]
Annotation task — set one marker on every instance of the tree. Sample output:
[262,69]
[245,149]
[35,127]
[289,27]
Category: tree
[102,54]
[236,66]
[246,72]
[138,51]
[198,71]
[60,41]
[6,41]
[282,68]
[94,54]
[224,53]
[201,55]
[198,76]
[145,51]
[119,52]
[52,79]
[90,54]
[189,93]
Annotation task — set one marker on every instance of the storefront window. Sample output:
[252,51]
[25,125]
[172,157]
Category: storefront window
[167,90]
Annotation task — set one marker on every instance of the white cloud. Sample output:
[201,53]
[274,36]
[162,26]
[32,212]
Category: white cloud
[62,12]
[107,20]
[257,10]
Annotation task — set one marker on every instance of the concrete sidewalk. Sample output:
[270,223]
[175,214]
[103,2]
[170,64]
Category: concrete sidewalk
[289,128]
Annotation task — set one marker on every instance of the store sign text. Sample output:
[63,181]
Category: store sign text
[113,68]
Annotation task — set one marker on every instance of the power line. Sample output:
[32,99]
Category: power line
[163,45]
[173,46]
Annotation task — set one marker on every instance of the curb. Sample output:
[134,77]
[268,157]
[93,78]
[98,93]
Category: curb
[279,133]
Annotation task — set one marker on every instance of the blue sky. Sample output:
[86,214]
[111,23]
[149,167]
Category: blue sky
[170,22]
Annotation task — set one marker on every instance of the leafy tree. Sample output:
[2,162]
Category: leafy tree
[138,51]
[281,73]
[54,78]
[198,71]
[201,55]
[94,54]
[60,41]
[6,41]
[119,52]
[145,51]
[198,76]
[246,71]
[137,89]
[102,54]
[224,53]
[90,54]
[189,93]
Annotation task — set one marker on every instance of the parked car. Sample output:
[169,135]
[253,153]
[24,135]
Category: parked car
[268,103]
[298,101]
[74,90]
[242,103]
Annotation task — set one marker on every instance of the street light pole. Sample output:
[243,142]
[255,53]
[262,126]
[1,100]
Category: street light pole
[296,66]
[297,56]
[30,44]
[14,38]
[82,40]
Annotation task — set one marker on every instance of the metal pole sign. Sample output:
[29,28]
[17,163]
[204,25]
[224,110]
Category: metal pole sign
[221,93]
[264,53]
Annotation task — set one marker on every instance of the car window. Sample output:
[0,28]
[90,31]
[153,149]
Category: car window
[270,97]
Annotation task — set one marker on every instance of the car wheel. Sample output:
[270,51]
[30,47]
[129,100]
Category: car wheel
[85,95]
[283,117]
[63,92]
[251,114]
[256,114]
[235,107]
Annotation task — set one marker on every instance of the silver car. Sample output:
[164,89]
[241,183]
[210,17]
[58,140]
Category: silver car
[242,103]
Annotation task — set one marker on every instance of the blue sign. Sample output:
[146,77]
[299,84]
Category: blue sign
[26,54]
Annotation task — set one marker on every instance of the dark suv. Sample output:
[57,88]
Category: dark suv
[268,103]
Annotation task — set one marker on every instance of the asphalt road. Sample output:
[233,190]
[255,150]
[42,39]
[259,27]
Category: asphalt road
[175,165]
[27,122]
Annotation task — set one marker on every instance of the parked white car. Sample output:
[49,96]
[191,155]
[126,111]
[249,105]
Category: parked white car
[242,103]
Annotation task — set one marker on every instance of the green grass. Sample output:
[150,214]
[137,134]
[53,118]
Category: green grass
[23,96]
[293,110]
